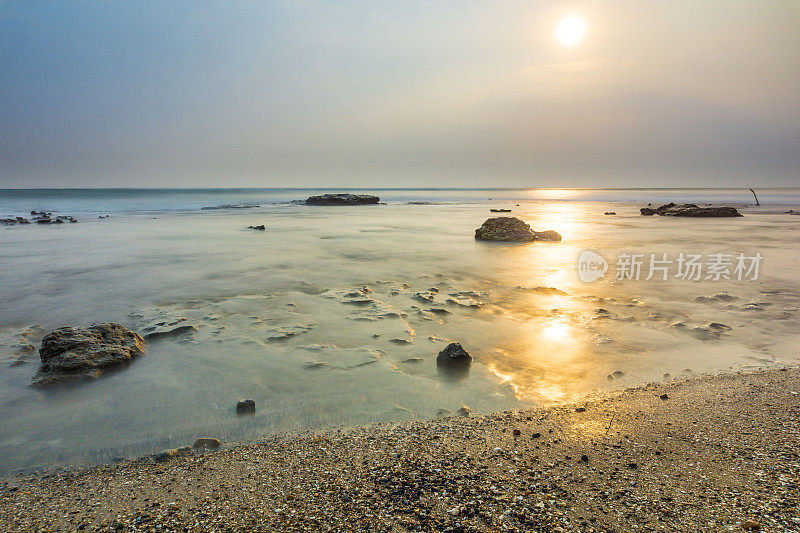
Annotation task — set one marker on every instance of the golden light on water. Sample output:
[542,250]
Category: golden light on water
[570,30]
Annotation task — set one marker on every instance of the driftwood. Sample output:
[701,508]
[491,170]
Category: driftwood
[754,196]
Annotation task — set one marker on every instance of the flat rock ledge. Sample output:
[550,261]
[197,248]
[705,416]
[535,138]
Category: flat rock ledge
[690,210]
[75,353]
[342,199]
[512,229]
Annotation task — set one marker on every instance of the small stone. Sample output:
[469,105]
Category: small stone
[517,433]
[585,458]
[750,525]
[207,442]
[664,396]
[246,406]
[633,465]
[464,411]
[580,409]
[536,435]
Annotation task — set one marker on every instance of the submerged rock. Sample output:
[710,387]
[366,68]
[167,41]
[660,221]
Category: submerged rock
[512,229]
[246,406]
[70,353]
[342,199]
[166,332]
[690,210]
[454,355]
[499,210]
[261,227]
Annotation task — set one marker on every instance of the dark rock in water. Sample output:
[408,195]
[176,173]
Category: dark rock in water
[454,356]
[505,229]
[246,406]
[610,213]
[690,210]
[512,229]
[499,210]
[342,199]
[262,227]
[179,331]
[84,353]
[548,235]
[207,442]
[464,411]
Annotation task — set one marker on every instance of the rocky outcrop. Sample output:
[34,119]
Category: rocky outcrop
[454,356]
[342,199]
[690,210]
[260,227]
[72,353]
[500,210]
[512,229]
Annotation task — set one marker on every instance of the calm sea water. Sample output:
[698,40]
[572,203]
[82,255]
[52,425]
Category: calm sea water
[330,317]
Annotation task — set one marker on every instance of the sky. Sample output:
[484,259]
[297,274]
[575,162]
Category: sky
[432,93]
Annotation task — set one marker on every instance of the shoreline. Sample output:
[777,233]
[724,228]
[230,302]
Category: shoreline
[718,453]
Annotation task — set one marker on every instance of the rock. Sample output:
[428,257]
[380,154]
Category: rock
[499,210]
[536,435]
[632,465]
[342,199]
[618,374]
[464,411]
[207,442]
[664,396]
[512,229]
[179,331]
[666,376]
[690,210]
[580,409]
[517,433]
[610,213]
[259,228]
[750,525]
[246,406]
[584,458]
[453,356]
[505,229]
[166,455]
[85,353]
[548,235]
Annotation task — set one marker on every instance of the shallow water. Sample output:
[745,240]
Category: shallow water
[320,318]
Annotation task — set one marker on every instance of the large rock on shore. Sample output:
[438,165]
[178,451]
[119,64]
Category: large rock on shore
[690,210]
[512,229]
[72,353]
[342,199]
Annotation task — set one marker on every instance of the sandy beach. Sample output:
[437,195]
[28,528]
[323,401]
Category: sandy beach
[710,453]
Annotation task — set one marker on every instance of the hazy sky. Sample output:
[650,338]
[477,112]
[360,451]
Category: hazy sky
[403,93]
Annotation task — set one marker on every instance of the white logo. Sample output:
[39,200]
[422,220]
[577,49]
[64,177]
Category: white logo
[591,266]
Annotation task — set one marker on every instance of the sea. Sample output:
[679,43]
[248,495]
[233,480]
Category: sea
[334,316]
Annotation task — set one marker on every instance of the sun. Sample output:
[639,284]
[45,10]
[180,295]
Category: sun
[570,30]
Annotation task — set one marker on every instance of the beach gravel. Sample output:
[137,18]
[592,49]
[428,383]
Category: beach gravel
[720,455]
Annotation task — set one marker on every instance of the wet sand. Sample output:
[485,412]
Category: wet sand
[717,453]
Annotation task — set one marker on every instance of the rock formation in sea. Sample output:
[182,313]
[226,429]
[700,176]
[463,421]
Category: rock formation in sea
[71,353]
[454,355]
[512,229]
[342,199]
[690,210]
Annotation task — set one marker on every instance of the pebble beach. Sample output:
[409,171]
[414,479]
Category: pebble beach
[707,453]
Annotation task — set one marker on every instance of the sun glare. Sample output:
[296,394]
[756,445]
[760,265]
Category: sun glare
[570,30]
